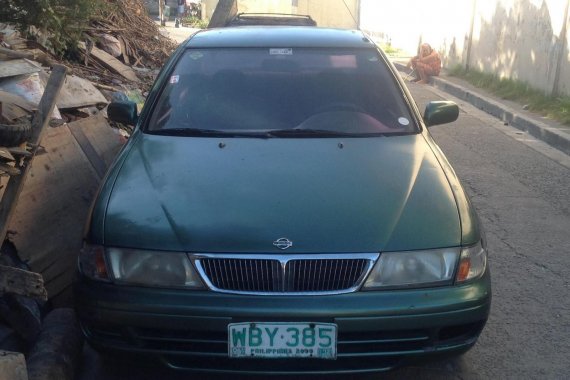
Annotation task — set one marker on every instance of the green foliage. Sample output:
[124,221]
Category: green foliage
[556,108]
[59,22]
[390,50]
[195,22]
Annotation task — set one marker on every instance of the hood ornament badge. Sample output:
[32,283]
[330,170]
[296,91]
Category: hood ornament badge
[283,243]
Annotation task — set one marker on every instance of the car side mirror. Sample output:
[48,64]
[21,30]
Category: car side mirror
[440,112]
[123,112]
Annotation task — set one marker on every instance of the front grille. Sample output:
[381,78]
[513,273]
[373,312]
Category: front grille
[324,275]
[285,274]
[244,275]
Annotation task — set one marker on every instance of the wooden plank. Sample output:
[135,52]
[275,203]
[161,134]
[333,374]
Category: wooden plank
[8,98]
[33,55]
[106,141]
[224,12]
[124,50]
[78,92]
[9,169]
[22,282]
[12,112]
[18,67]
[111,62]
[5,155]
[94,159]
[53,207]
[12,366]
[39,122]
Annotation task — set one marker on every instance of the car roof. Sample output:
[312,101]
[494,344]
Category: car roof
[275,19]
[279,37]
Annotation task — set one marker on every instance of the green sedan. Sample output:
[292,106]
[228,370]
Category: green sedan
[281,208]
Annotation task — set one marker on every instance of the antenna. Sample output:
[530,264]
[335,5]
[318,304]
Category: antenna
[350,13]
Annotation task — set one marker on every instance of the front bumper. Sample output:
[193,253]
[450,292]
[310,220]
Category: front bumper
[377,330]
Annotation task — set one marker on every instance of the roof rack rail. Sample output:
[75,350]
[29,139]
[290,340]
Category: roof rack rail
[243,19]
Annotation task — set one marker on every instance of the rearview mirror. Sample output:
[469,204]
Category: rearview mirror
[440,112]
[123,112]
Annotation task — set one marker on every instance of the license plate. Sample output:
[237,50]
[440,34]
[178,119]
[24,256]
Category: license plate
[282,340]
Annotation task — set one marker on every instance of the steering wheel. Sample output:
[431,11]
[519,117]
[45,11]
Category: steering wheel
[339,106]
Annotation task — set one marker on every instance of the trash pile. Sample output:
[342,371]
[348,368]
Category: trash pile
[141,43]
[51,339]
[123,44]
[118,58]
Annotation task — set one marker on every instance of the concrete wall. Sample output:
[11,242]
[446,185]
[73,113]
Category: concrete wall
[327,13]
[519,39]
[442,23]
[331,13]
[564,79]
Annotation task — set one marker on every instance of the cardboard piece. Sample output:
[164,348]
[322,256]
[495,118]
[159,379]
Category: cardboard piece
[78,92]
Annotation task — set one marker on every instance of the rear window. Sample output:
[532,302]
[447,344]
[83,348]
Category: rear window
[267,89]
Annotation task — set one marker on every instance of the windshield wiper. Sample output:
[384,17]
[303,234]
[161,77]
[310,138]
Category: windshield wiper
[308,132]
[207,132]
[197,132]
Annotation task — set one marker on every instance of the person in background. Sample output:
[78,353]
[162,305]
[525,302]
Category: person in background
[161,16]
[426,64]
[181,13]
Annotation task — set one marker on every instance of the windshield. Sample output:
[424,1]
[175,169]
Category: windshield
[281,92]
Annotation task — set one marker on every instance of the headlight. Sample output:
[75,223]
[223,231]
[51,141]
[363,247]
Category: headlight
[137,267]
[92,262]
[472,263]
[154,268]
[413,268]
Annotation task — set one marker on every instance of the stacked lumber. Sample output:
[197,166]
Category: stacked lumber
[122,45]
[141,42]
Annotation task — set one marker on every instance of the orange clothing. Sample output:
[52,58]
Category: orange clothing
[430,63]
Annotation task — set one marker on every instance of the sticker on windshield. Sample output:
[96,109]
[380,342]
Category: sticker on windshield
[174,79]
[195,55]
[287,51]
[403,121]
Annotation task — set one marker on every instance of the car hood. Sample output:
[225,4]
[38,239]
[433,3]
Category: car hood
[242,194]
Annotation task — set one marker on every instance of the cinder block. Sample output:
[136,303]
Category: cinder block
[12,366]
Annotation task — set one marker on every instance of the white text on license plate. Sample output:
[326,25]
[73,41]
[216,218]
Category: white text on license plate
[282,340]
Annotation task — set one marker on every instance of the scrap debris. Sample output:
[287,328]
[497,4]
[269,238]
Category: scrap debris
[141,43]
[123,45]
[120,55]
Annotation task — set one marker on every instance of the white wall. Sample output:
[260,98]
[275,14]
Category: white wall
[327,13]
[517,39]
[442,23]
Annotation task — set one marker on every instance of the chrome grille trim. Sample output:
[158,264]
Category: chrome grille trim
[280,274]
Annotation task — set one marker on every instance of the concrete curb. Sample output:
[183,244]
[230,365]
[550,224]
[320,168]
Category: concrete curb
[535,128]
